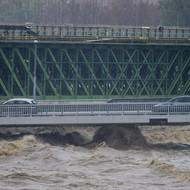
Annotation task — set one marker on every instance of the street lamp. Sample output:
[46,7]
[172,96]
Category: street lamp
[35,68]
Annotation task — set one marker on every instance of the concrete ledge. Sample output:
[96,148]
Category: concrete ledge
[92,119]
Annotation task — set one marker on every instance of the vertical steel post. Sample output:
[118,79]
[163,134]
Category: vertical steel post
[35,68]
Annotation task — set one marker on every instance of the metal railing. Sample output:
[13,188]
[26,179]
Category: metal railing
[92,32]
[90,109]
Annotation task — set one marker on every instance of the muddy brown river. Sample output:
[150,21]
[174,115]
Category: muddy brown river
[31,162]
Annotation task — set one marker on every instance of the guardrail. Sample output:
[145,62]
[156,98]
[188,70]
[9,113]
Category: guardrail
[23,32]
[90,109]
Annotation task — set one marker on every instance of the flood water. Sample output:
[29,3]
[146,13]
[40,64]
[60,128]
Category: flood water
[30,163]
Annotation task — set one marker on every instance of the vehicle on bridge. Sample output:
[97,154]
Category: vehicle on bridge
[19,101]
[18,106]
[177,104]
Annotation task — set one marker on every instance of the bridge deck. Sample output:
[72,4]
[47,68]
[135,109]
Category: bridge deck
[92,114]
[95,120]
[94,33]
[94,62]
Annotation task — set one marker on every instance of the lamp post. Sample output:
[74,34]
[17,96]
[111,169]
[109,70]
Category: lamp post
[35,68]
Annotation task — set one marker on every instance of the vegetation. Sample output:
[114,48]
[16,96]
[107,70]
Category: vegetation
[120,12]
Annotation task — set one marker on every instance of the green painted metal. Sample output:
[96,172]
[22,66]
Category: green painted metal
[10,68]
[89,67]
[27,69]
[5,91]
[59,70]
[94,70]
[46,75]
[75,67]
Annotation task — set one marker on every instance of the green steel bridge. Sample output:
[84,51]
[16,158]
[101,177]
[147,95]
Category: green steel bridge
[94,61]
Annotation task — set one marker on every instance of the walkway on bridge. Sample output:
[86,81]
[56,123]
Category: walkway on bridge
[94,33]
[92,114]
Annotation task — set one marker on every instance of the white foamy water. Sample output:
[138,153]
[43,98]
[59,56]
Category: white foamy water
[28,164]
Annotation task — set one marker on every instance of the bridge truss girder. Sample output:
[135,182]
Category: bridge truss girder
[94,70]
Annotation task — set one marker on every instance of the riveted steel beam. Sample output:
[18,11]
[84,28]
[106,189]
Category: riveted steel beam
[108,75]
[4,88]
[150,75]
[98,70]
[55,93]
[166,73]
[8,64]
[132,63]
[58,67]
[27,69]
[122,71]
[92,72]
[178,75]
[79,79]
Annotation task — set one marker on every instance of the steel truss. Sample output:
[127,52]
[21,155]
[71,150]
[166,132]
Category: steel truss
[94,70]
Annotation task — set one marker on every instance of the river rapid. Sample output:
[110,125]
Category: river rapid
[151,158]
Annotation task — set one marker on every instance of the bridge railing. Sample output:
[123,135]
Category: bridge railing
[89,109]
[94,108]
[23,32]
